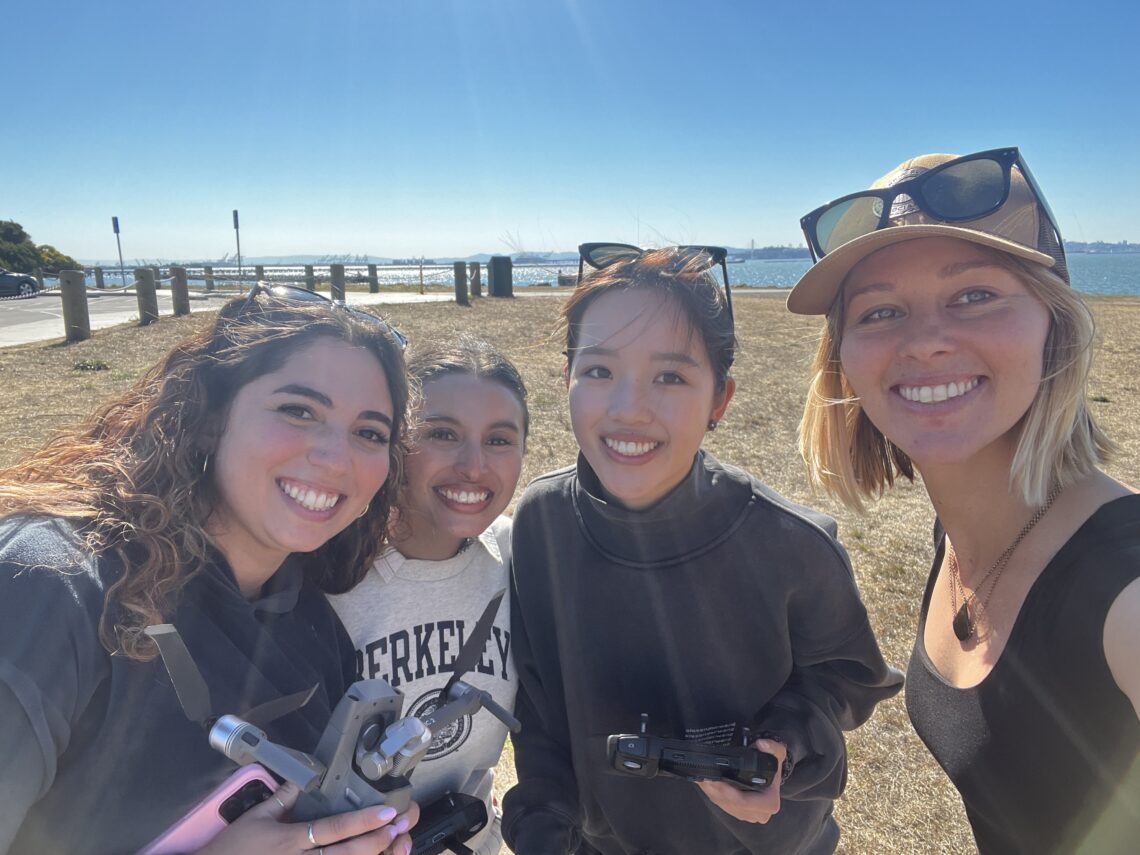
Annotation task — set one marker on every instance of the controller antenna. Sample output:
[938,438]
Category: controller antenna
[644,722]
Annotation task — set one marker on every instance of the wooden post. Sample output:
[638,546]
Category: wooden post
[39,274]
[373,280]
[421,277]
[460,271]
[99,278]
[310,278]
[146,295]
[259,271]
[336,271]
[476,285]
[499,276]
[208,275]
[73,294]
[180,291]
[157,277]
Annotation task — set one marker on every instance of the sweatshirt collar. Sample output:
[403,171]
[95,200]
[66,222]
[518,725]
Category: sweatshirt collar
[692,518]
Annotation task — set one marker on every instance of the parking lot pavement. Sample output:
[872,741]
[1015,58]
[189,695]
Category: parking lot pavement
[40,318]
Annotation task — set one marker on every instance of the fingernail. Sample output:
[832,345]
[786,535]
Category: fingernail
[402,825]
[387,813]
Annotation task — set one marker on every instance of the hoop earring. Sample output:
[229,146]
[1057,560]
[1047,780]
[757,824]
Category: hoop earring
[712,424]
[367,508]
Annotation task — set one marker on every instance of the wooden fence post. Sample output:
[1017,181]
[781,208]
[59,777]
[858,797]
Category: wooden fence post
[310,278]
[460,270]
[180,291]
[146,295]
[337,288]
[373,280]
[39,274]
[208,275]
[157,277]
[99,278]
[73,295]
[476,285]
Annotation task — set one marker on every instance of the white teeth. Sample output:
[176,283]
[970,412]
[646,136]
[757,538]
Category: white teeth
[934,394]
[309,498]
[465,497]
[630,449]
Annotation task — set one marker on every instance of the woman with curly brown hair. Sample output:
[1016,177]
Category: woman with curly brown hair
[240,478]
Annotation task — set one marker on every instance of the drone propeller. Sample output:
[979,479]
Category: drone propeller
[472,650]
[193,693]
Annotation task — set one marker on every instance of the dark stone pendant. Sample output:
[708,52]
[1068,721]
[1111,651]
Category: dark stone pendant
[962,627]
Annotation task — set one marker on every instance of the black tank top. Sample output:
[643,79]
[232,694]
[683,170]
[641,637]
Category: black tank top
[1045,751]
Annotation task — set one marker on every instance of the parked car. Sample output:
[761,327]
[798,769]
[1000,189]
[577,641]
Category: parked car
[18,284]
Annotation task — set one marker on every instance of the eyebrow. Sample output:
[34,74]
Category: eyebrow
[664,356]
[506,424]
[324,400]
[954,268]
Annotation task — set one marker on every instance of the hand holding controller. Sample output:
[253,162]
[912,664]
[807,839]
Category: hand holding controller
[647,756]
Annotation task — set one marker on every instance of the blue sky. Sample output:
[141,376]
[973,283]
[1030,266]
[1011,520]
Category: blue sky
[449,127]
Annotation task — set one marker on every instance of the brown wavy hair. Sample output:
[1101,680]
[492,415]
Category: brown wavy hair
[132,478]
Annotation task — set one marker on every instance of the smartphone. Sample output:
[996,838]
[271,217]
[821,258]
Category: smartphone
[248,786]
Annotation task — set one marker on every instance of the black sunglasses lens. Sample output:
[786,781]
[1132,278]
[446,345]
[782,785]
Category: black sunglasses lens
[965,191]
[848,220]
[603,255]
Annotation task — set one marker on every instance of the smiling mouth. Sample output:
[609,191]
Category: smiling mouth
[464,497]
[937,394]
[630,449]
[309,498]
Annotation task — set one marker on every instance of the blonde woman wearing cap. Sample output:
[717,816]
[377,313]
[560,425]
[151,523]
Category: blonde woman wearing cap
[954,346]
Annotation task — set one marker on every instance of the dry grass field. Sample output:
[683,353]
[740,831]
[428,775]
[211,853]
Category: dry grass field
[896,800]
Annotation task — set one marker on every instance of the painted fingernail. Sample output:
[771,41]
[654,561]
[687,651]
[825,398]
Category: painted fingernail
[387,813]
[402,825]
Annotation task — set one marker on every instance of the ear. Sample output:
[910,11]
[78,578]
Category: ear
[721,399]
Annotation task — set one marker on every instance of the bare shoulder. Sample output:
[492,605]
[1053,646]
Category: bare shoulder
[1122,642]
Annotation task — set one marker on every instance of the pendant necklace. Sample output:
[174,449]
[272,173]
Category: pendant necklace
[965,618]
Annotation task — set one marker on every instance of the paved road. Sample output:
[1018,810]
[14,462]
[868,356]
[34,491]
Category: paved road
[40,318]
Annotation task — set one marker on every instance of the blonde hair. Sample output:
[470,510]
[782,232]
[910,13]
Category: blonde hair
[1059,440]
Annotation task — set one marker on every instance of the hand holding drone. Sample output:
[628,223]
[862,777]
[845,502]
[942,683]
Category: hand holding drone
[367,751]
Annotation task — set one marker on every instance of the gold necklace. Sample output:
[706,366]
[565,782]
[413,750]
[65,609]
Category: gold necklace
[965,619]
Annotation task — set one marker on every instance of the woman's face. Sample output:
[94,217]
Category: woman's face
[642,393]
[943,347]
[464,467]
[303,451]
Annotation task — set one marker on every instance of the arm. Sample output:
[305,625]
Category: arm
[838,673]
[25,771]
[51,661]
[540,813]
[1122,642]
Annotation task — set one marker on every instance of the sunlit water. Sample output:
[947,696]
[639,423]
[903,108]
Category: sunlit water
[1092,273]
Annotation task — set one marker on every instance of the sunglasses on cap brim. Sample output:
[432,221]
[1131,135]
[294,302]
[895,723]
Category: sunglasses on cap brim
[697,259]
[303,296]
[957,191]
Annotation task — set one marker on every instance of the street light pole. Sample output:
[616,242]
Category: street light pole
[237,234]
[119,244]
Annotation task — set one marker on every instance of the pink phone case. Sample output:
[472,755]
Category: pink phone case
[248,785]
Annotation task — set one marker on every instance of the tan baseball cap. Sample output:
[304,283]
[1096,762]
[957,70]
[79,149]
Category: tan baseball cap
[1018,227]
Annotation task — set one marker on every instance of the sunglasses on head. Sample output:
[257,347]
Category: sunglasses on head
[697,259]
[296,294]
[957,191]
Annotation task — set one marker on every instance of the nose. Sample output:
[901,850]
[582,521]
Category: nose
[330,452]
[471,460]
[629,403]
[926,336]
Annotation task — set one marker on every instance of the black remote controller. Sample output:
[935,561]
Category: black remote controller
[447,823]
[648,756]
